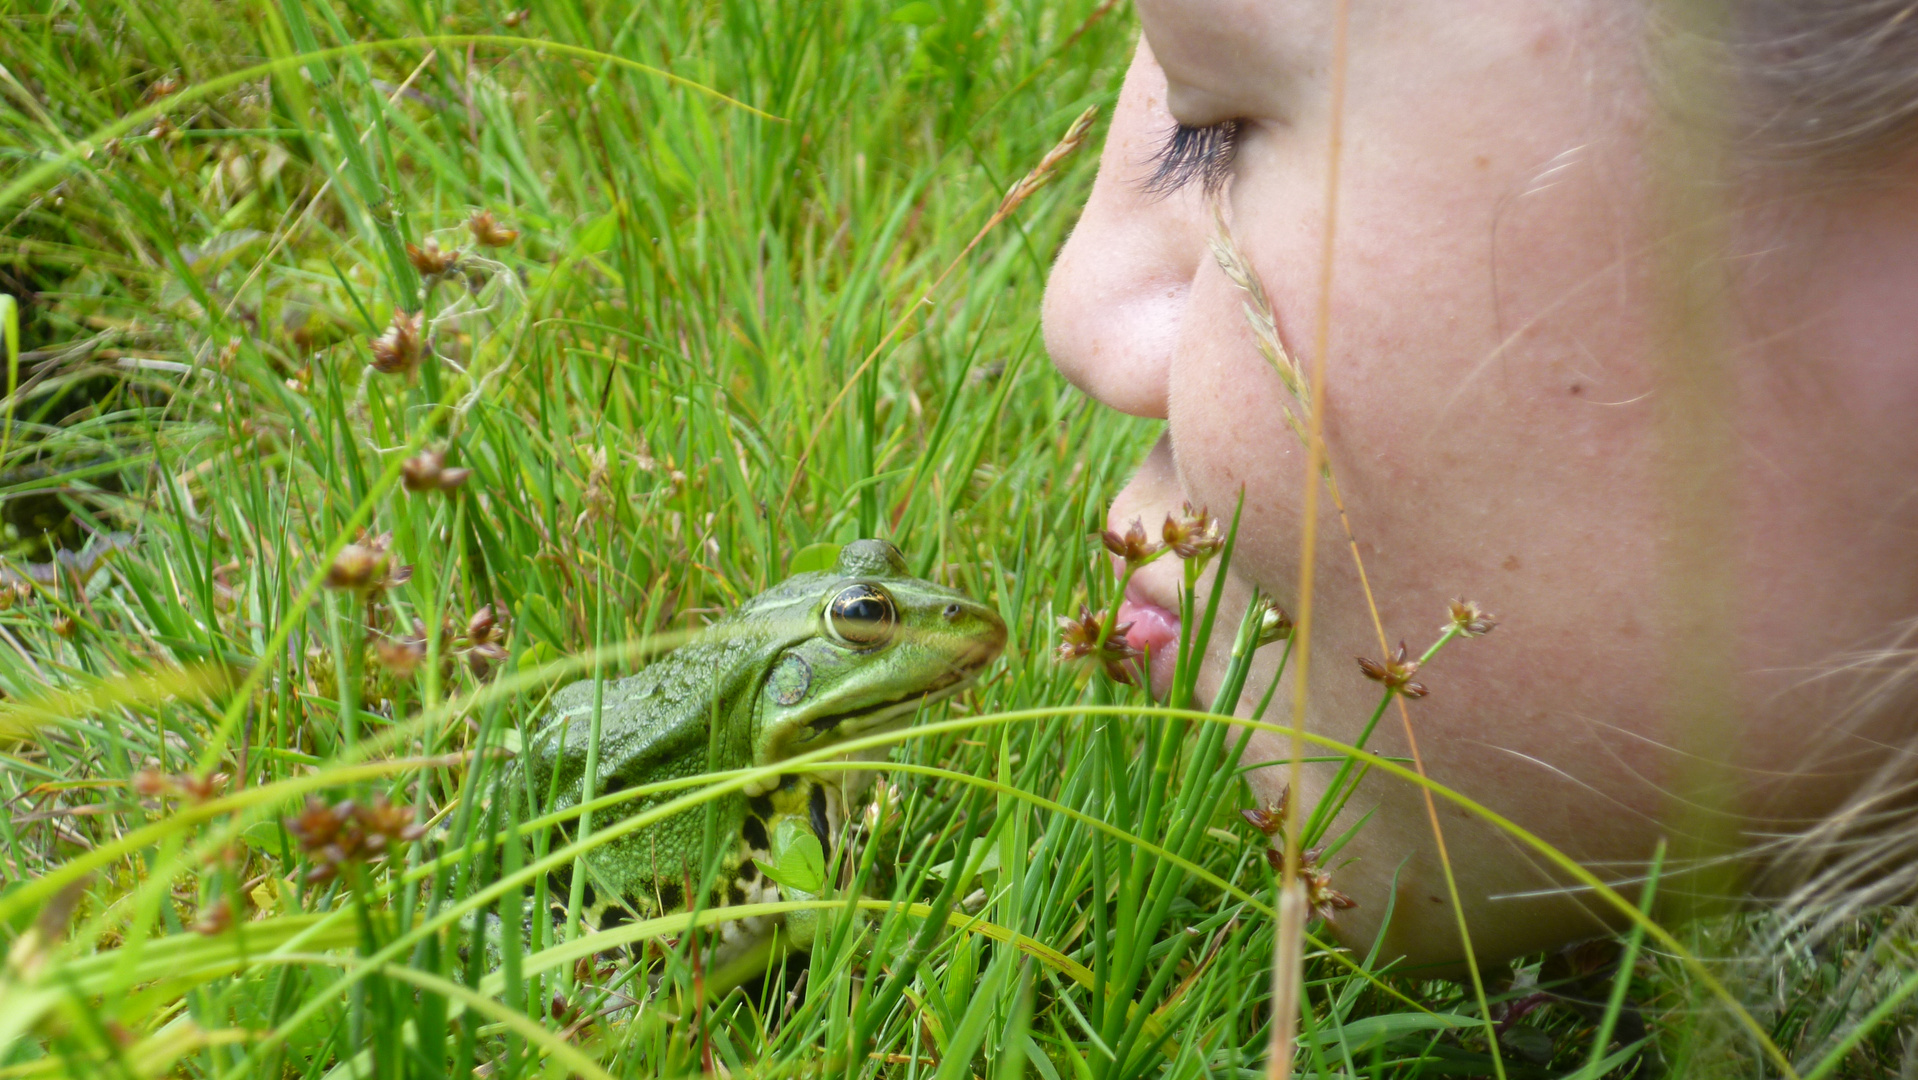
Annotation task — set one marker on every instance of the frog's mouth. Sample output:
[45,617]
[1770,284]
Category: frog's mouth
[866,718]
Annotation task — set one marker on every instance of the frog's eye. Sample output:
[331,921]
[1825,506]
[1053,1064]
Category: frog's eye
[862,616]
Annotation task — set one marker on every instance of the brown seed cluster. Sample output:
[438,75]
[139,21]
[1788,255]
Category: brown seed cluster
[397,351]
[431,260]
[346,832]
[154,784]
[17,593]
[1274,624]
[215,919]
[402,656]
[1079,640]
[1134,546]
[490,233]
[364,566]
[1395,672]
[484,642]
[481,643]
[427,471]
[1325,901]
[1193,534]
[1469,620]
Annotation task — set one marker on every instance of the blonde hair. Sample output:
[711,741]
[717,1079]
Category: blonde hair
[1865,853]
[1827,87]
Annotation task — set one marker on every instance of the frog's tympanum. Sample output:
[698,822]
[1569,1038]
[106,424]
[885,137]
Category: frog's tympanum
[818,659]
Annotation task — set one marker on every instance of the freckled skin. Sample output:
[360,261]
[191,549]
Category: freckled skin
[782,675]
[1503,417]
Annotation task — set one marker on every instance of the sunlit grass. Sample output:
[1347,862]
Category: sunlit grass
[719,342]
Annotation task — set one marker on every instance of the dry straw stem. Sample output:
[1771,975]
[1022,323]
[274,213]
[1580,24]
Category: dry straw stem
[1305,423]
[1259,316]
[1040,175]
[1288,973]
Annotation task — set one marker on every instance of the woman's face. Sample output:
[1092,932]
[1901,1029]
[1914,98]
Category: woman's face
[1493,422]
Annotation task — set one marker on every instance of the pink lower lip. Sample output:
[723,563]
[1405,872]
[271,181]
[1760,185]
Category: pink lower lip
[1155,631]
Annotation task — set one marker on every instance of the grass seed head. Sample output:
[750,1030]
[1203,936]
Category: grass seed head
[1043,172]
[1325,901]
[483,628]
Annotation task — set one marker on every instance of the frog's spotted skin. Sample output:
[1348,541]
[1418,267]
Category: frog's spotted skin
[816,660]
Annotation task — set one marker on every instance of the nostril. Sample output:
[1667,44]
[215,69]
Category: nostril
[952,611]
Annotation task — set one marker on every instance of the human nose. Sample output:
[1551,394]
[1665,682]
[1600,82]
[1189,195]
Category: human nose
[1116,299]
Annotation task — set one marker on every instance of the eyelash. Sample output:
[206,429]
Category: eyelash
[1192,153]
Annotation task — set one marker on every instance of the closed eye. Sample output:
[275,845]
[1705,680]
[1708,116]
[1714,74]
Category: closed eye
[1192,153]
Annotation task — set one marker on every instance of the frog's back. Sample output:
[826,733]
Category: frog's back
[662,714]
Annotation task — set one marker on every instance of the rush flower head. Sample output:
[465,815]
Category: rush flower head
[1469,619]
[1396,673]
[483,627]
[481,643]
[1269,817]
[402,656]
[152,783]
[349,832]
[430,260]
[215,919]
[489,232]
[1324,900]
[1135,547]
[427,471]
[1274,624]
[1079,640]
[397,352]
[1193,535]
[363,566]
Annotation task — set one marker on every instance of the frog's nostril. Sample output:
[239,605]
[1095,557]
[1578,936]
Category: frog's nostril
[952,611]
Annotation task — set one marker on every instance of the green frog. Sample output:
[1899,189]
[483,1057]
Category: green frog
[819,659]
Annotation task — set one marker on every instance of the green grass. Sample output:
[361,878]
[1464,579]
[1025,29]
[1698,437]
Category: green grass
[674,382]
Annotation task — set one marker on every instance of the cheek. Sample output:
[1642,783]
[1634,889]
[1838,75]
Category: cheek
[1475,457]
[1226,411]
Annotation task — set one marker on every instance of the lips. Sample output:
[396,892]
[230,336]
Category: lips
[1154,631]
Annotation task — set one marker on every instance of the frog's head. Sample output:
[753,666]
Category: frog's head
[878,643]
